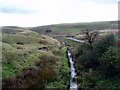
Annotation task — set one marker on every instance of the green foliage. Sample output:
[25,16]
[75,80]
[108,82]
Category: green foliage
[87,59]
[8,70]
[89,80]
[63,76]
[92,78]
[103,43]
[108,61]
[83,82]
[104,62]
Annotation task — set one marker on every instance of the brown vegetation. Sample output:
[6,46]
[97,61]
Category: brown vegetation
[43,42]
[20,43]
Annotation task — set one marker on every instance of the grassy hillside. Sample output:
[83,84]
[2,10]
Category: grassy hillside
[33,59]
[73,29]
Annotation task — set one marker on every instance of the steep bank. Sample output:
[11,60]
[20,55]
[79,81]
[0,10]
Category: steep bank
[30,59]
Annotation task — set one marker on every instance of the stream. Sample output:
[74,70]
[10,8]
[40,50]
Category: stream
[74,39]
[73,84]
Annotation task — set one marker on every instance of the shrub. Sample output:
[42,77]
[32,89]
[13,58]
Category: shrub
[102,44]
[32,78]
[92,77]
[81,49]
[109,60]
[88,60]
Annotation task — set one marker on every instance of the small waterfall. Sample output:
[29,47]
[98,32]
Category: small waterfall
[73,85]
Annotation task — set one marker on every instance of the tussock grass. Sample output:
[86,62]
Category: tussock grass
[24,51]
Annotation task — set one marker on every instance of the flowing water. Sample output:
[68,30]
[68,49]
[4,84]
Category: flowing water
[73,85]
[77,40]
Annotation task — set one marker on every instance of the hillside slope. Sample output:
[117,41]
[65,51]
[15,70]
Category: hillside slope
[32,60]
[73,28]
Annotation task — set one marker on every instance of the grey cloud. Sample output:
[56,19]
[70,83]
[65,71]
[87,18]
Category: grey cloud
[15,10]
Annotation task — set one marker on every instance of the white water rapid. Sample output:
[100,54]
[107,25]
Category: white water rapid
[73,85]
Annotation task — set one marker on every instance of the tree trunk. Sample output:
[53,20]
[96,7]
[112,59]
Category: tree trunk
[91,47]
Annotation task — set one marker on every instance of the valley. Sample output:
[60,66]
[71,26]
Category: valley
[37,57]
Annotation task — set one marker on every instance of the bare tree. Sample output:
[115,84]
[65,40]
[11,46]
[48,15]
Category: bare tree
[90,36]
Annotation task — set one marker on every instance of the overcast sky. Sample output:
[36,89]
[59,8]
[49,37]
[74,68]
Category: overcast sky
[29,13]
